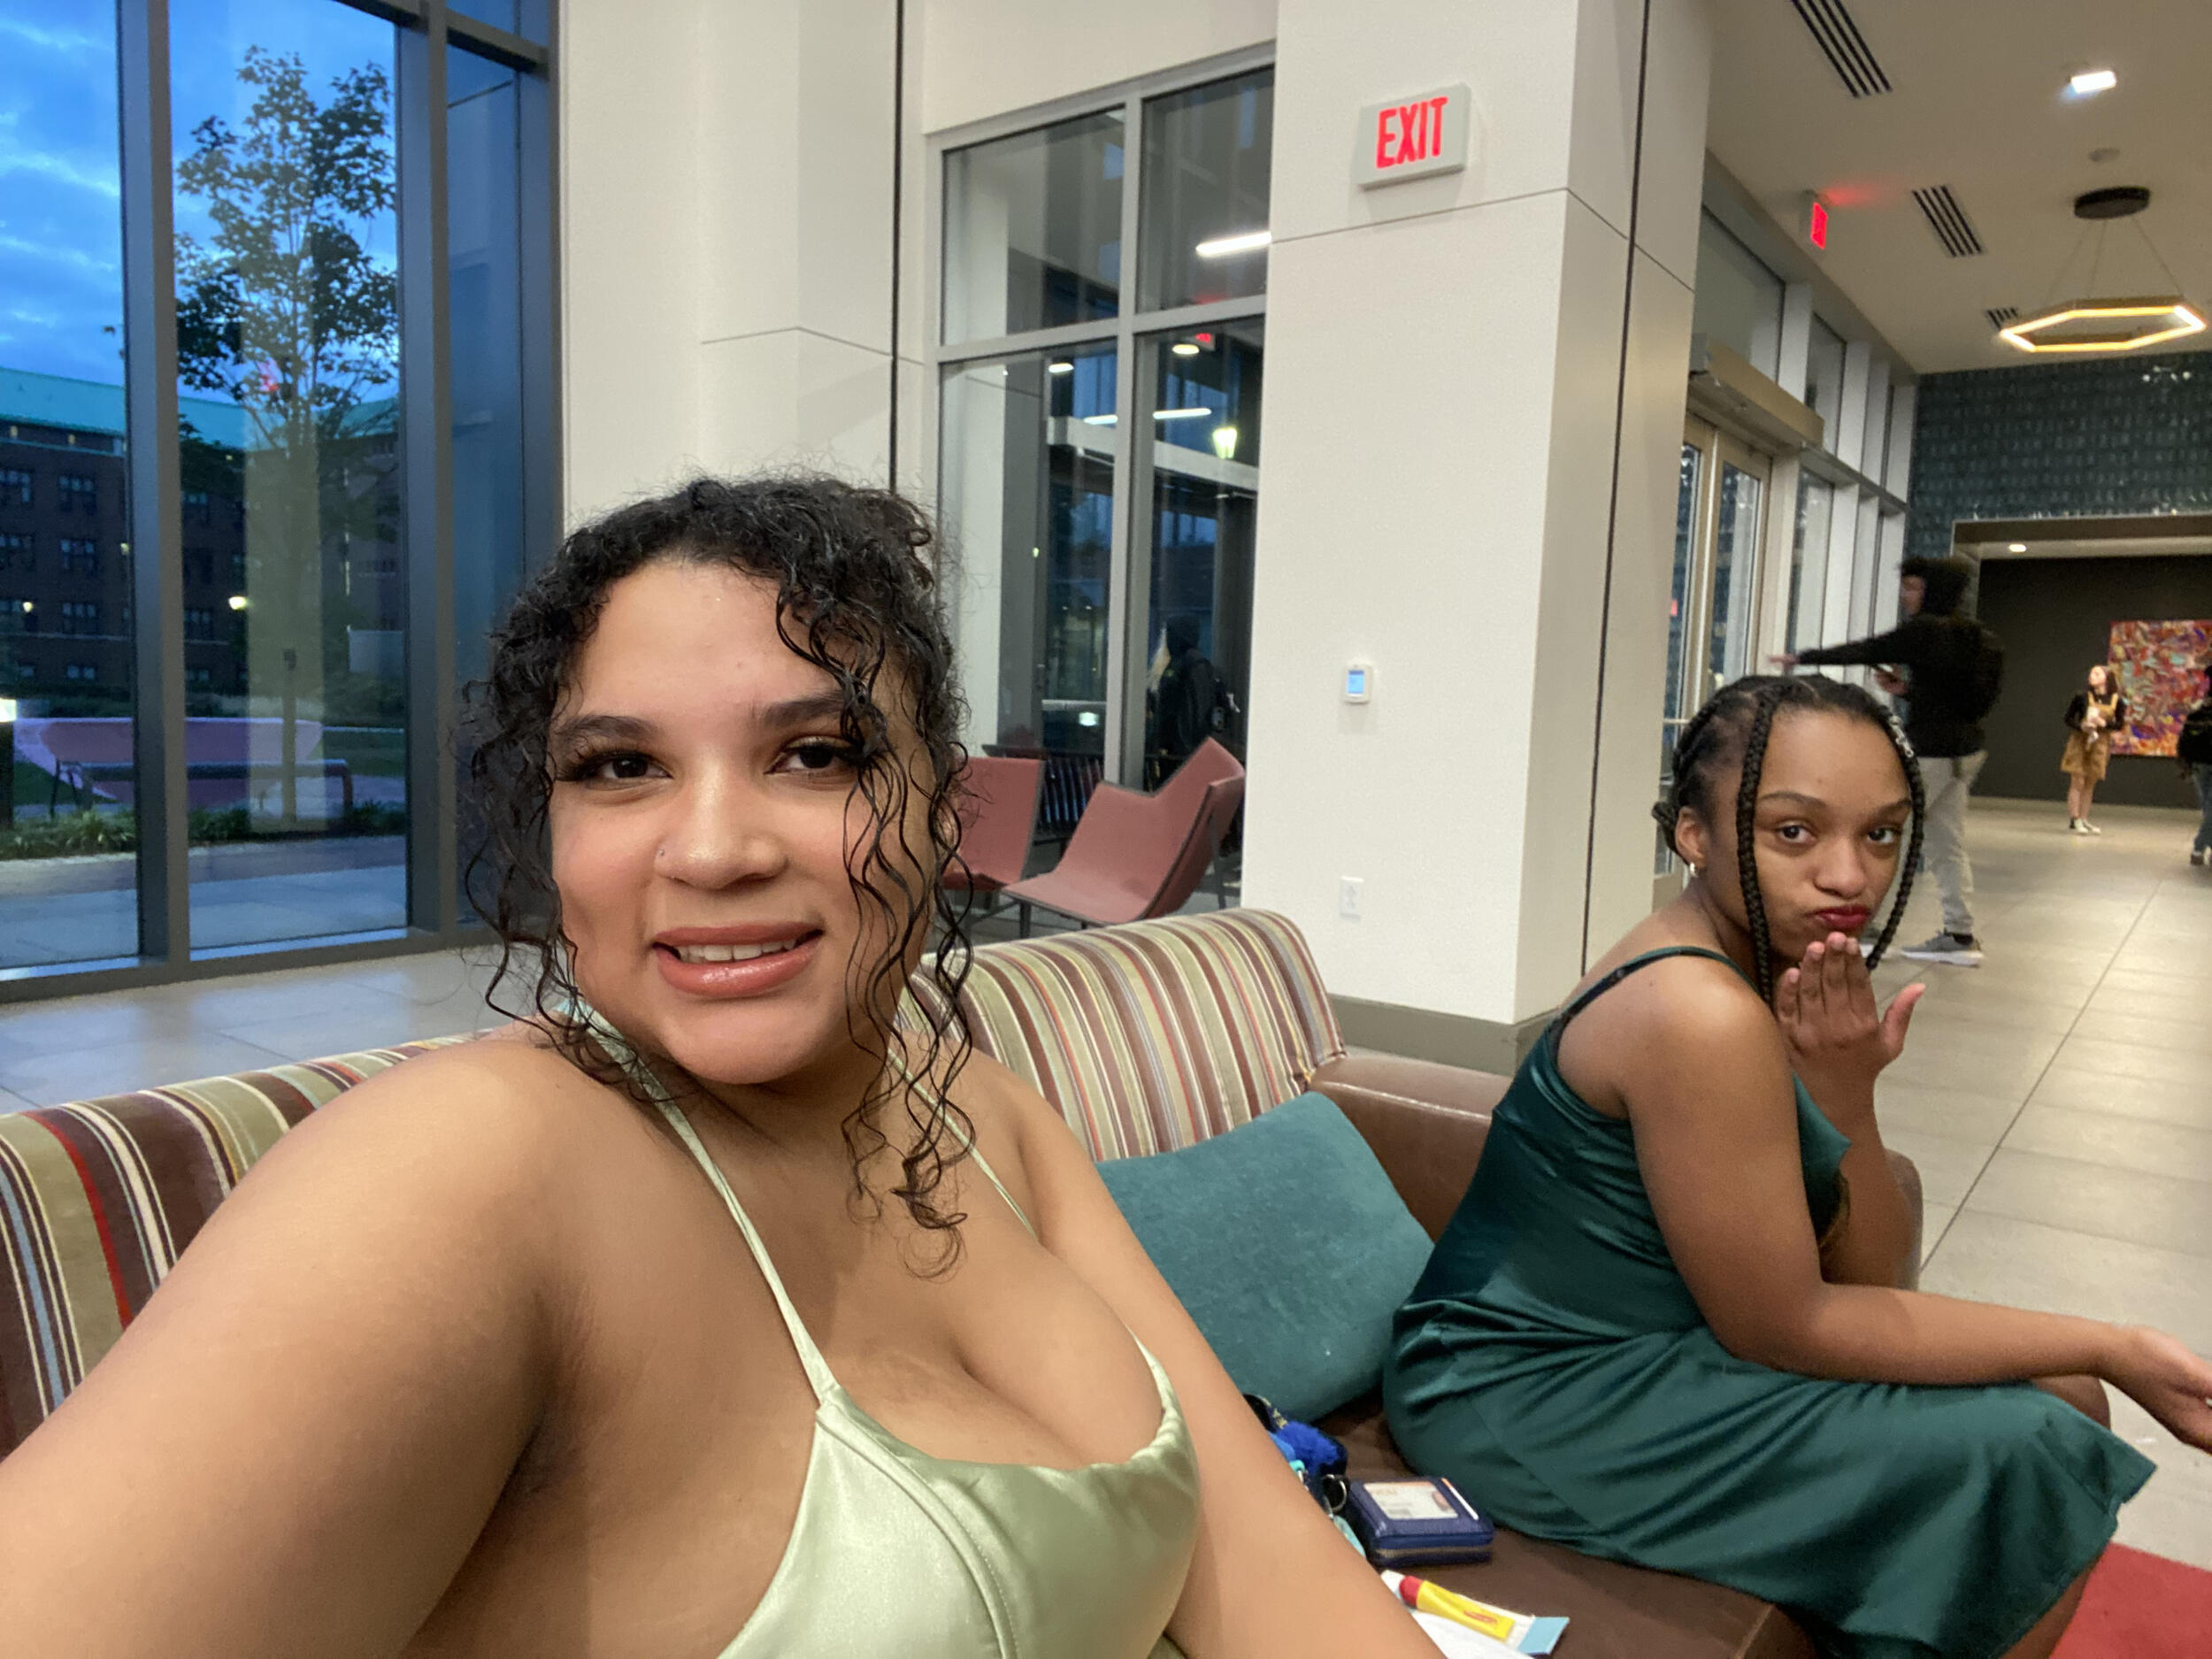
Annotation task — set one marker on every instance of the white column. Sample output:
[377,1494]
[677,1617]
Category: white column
[1444,375]
[725,240]
[795,319]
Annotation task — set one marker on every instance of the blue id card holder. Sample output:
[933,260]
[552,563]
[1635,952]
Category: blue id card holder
[1416,1521]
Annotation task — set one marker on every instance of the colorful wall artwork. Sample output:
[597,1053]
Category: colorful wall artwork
[2161,673]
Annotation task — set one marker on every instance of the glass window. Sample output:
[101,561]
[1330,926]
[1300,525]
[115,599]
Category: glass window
[66,728]
[1206,154]
[1874,452]
[1735,567]
[1029,449]
[1738,301]
[1809,563]
[1197,674]
[483,182]
[1824,380]
[288,353]
[1032,229]
[526,17]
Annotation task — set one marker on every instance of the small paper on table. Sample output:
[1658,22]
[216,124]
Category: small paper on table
[1459,1642]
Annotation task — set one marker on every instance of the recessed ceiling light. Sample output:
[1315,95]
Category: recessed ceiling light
[2016,547]
[2091,82]
[1181,414]
[1185,348]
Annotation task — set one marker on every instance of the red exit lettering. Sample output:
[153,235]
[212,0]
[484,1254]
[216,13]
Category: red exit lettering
[1409,132]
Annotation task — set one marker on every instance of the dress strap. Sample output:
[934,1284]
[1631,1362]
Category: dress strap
[967,1141]
[818,1375]
[1632,966]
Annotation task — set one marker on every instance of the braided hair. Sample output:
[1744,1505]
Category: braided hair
[1732,728]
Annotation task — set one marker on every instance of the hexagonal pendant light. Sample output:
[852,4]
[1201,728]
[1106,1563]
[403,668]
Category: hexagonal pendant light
[2107,325]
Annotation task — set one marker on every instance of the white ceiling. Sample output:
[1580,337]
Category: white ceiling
[1978,104]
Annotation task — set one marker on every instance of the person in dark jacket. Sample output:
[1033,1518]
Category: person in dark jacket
[2195,751]
[1941,661]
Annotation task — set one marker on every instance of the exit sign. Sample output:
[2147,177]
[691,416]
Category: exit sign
[1412,138]
[1813,221]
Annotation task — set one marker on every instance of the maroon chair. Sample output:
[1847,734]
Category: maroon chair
[998,819]
[1137,855]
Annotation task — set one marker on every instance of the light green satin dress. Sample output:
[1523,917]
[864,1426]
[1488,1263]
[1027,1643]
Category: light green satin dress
[897,1552]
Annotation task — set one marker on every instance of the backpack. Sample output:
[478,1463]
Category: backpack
[1986,677]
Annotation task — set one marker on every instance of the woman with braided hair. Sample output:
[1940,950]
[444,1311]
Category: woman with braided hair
[1664,1325]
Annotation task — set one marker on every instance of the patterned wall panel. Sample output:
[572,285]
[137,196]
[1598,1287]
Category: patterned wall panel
[2061,439]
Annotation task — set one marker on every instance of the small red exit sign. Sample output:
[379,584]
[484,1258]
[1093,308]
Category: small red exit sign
[1814,222]
[1412,138]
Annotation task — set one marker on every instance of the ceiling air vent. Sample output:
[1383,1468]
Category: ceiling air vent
[1837,35]
[1949,220]
[2000,315]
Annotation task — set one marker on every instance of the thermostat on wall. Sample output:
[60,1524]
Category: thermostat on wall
[1359,681]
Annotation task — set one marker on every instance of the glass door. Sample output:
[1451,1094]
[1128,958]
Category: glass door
[1712,620]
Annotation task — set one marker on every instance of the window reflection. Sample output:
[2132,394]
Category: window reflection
[1207,155]
[66,770]
[1028,506]
[1205,510]
[288,352]
[1033,229]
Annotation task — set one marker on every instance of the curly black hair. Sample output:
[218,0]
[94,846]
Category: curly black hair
[1731,731]
[856,598]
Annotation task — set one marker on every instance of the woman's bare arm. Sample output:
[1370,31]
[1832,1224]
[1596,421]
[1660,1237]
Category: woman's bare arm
[1270,1578]
[1710,1099]
[295,1445]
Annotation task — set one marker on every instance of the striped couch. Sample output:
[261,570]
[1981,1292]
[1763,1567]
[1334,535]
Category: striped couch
[1146,1037]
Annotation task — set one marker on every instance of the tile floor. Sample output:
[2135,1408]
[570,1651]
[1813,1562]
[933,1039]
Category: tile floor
[2058,1100]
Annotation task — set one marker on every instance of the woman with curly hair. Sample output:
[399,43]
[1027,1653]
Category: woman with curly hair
[705,1310]
[1664,1325]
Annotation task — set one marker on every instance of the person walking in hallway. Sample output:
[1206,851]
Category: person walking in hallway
[2091,719]
[2194,751]
[1950,669]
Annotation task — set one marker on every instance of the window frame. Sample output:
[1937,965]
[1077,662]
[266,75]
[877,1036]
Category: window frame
[1129,550]
[153,505]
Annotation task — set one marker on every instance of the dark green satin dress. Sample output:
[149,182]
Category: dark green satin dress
[1553,1364]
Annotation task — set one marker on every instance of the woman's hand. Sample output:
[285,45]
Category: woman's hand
[1839,1039]
[2168,1381]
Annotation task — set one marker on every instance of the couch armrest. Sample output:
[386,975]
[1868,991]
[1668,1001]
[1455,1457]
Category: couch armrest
[1424,1123]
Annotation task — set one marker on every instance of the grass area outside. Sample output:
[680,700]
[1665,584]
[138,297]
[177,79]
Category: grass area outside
[373,751]
[76,835]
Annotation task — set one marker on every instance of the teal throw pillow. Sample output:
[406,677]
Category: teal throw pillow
[1286,1243]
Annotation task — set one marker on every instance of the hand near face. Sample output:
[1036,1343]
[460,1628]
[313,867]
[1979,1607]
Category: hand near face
[1890,680]
[1838,1037]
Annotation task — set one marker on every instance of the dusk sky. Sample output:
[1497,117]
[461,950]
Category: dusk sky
[61,279]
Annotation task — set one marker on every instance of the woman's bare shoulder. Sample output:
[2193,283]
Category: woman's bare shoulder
[506,1106]
[1684,1015]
